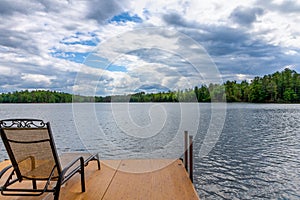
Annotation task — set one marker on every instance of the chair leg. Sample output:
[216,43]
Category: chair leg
[82,174]
[34,184]
[56,196]
[57,189]
[99,167]
[98,161]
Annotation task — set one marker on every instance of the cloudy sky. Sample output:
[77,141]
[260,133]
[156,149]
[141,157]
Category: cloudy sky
[116,47]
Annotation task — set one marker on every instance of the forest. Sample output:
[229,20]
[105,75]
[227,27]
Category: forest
[279,87]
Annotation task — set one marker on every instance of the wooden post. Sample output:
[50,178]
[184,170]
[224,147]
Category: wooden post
[186,150]
[191,157]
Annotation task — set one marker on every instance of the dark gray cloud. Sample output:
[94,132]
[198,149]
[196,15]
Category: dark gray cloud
[102,10]
[7,80]
[246,16]
[235,50]
[286,7]
[18,40]
[55,6]
[245,55]
[8,7]
[176,19]
[19,36]
[222,40]
[219,39]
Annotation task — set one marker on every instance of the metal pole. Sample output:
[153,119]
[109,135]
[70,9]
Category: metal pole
[186,150]
[191,157]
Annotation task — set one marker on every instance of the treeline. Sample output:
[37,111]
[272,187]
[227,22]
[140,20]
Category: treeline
[37,96]
[280,87]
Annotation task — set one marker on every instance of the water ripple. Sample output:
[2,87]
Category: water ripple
[257,156]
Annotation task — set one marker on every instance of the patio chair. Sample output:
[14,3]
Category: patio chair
[31,150]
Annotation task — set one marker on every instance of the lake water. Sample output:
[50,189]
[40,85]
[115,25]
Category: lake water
[255,156]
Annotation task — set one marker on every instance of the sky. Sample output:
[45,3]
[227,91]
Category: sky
[101,47]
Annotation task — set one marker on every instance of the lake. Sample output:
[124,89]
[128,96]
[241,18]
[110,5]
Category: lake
[242,151]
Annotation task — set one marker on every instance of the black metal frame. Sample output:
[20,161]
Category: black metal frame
[64,175]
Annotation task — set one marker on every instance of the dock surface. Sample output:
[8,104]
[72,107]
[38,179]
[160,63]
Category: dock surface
[125,179]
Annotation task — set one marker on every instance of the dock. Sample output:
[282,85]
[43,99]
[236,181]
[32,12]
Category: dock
[145,179]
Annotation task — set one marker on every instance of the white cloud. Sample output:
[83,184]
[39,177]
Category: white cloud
[40,39]
[291,52]
[153,56]
[7,70]
[39,78]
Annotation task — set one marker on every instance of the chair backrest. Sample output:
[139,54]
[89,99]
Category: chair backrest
[31,149]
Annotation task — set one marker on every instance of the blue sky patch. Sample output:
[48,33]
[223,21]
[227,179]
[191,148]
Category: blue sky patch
[126,17]
[116,68]
[102,63]
[71,56]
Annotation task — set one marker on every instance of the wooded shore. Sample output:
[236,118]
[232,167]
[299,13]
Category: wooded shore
[279,87]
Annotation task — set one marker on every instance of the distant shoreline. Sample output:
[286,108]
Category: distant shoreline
[280,87]
[153,103]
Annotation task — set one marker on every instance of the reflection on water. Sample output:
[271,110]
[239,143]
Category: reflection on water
[256,157]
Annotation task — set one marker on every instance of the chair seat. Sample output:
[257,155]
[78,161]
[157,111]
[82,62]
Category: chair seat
[67,157]
[42,172]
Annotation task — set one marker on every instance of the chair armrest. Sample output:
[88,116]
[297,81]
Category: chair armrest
[93,157]
[5,170]
[90,158]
